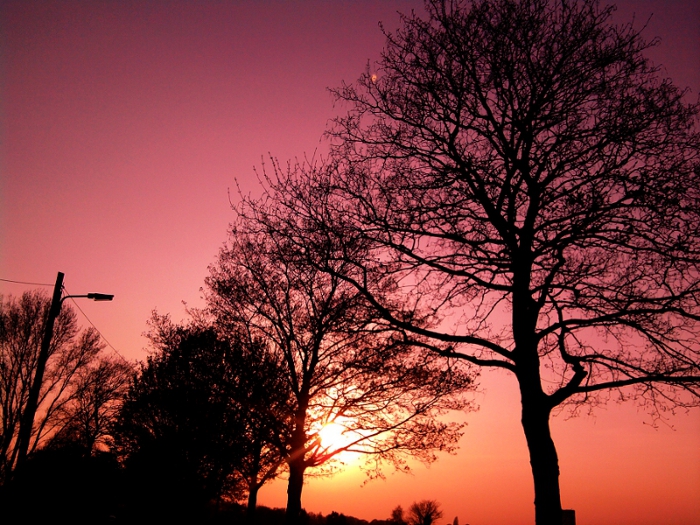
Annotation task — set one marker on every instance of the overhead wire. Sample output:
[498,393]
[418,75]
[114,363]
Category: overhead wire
[24,282]
[96,329]
[79,309]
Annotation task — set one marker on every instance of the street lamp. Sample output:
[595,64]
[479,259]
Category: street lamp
[98,296]
[25,427]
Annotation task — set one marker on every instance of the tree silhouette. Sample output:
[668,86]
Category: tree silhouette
[193,428]
[425,512]
[170,428]
[71,353]
[337,366]
[261,395]
[532,182]
[397,516]
[87,417]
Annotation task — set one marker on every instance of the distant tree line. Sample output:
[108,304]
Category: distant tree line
[186,436]
[424,512]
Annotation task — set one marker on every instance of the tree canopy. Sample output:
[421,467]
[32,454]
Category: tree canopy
[200,420]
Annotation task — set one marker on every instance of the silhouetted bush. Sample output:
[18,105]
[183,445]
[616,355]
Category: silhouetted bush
[63,485]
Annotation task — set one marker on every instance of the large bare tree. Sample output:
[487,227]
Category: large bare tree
[526,175]
[339,366]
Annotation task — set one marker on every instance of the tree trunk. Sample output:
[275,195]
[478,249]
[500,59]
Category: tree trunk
[297,460]
[252,503]
[543,460]
[536,405]
[296,483]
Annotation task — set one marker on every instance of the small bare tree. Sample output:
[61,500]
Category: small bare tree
[397,516]
[425,512]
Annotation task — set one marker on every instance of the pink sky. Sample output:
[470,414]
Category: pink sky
[123,126]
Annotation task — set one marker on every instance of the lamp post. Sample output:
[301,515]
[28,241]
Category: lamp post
[25,427]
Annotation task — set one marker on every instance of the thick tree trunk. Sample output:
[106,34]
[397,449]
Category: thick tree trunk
[544,462]
[536,405]
[296,483]
[252,503]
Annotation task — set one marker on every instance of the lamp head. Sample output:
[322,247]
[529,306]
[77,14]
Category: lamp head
[100,296]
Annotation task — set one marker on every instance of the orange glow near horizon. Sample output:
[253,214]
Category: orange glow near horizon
[616,469]
[126,132]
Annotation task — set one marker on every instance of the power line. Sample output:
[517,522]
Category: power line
[24,282]
[79,309]
[96,329]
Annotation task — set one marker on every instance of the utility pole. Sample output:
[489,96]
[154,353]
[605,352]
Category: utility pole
[24,435]
[25,427]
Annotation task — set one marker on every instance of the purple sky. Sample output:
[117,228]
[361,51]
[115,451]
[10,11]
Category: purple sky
[123,127]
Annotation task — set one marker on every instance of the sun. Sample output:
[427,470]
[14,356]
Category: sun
[335,436]
[332,436]
[338,433]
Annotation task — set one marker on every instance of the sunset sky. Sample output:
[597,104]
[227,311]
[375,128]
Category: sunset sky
[126,129]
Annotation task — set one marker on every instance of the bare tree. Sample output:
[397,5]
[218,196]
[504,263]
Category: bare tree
[338,365]
[425,512]
[532,182]
[21,330]
[86,419]
[397,516]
